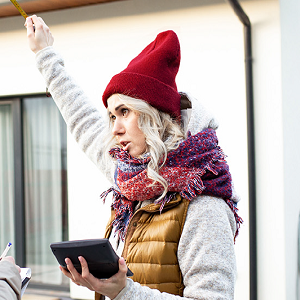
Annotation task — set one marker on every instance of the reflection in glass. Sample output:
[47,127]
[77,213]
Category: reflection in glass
[7,178]
[44,136]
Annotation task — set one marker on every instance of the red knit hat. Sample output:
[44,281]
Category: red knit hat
[151,75]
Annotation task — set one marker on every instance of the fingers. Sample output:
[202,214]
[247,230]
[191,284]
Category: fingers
[72,274]
[38,22]
[109,287]
[115,284]
[71,268]
[12,260]
[29,25]
[38,33]
[84,267]
[35,23]
[65,272]
[9,258]
[122,265]
[42,21]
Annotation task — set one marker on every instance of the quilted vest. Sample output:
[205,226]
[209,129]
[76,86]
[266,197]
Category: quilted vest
[151,244]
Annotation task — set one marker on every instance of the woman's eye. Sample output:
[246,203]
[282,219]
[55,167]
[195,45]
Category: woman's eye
[125,111]
[112,118]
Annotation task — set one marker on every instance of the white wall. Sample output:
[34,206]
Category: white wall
[269,151]
[290,46]
[99,41]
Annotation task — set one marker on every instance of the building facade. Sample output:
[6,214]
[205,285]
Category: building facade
[50,190]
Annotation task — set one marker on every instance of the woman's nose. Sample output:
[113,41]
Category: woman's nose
[118,128]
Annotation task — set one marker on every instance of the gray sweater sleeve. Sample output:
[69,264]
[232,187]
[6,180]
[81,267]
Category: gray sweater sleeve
[205,253]
[10,282]
[83,119]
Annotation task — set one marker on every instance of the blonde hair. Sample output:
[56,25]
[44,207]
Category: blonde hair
[162,134]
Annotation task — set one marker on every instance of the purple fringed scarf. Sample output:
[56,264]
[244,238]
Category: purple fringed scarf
[196,167]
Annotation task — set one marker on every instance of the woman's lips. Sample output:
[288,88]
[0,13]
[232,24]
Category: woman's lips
[125,145]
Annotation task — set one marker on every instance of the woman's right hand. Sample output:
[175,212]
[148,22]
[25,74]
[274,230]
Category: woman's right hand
[38,34]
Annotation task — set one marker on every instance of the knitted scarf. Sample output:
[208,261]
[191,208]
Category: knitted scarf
[196,167]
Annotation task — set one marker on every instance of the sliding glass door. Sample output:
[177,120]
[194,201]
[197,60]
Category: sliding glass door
[33,185]
[7,227]
[45,191]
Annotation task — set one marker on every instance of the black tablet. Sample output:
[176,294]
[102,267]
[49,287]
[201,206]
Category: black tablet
[103,262]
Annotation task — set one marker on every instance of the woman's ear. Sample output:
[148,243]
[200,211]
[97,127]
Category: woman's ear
[186,111]
[185,102]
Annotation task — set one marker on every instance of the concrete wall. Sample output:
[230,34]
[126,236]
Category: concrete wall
[99,41]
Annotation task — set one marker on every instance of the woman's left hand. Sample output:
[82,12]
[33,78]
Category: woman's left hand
[110,287]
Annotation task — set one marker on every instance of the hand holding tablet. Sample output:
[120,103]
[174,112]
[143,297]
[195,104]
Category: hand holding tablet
[99,254]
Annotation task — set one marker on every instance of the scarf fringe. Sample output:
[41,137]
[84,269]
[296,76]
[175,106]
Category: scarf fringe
[105,193]
[195,186]
[165,200]
[239,221]
[123,209]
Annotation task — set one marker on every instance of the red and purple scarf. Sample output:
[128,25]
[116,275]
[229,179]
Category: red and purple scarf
[196,167]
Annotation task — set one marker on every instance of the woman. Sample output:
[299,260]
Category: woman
[173,216]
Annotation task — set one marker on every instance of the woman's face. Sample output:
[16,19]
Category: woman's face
[125,127]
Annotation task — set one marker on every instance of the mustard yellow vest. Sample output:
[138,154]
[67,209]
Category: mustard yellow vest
[151,245]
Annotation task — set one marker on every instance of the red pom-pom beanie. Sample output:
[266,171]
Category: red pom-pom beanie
[151,75]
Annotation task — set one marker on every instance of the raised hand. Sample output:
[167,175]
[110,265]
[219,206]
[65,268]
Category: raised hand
[38,34]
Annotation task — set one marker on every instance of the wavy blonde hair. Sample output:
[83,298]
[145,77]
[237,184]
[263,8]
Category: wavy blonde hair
[162,134]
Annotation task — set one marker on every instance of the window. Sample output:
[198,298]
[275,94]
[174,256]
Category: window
[7,176]
[33,192]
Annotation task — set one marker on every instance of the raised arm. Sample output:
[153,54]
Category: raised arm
[83,119]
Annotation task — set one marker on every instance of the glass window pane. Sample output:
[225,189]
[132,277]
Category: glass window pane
[7,178]
[44,134]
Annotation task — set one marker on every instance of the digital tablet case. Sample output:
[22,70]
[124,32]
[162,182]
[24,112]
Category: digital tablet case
[103,262]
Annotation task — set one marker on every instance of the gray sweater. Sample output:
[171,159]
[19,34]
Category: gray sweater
[206,247]
[10,281]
